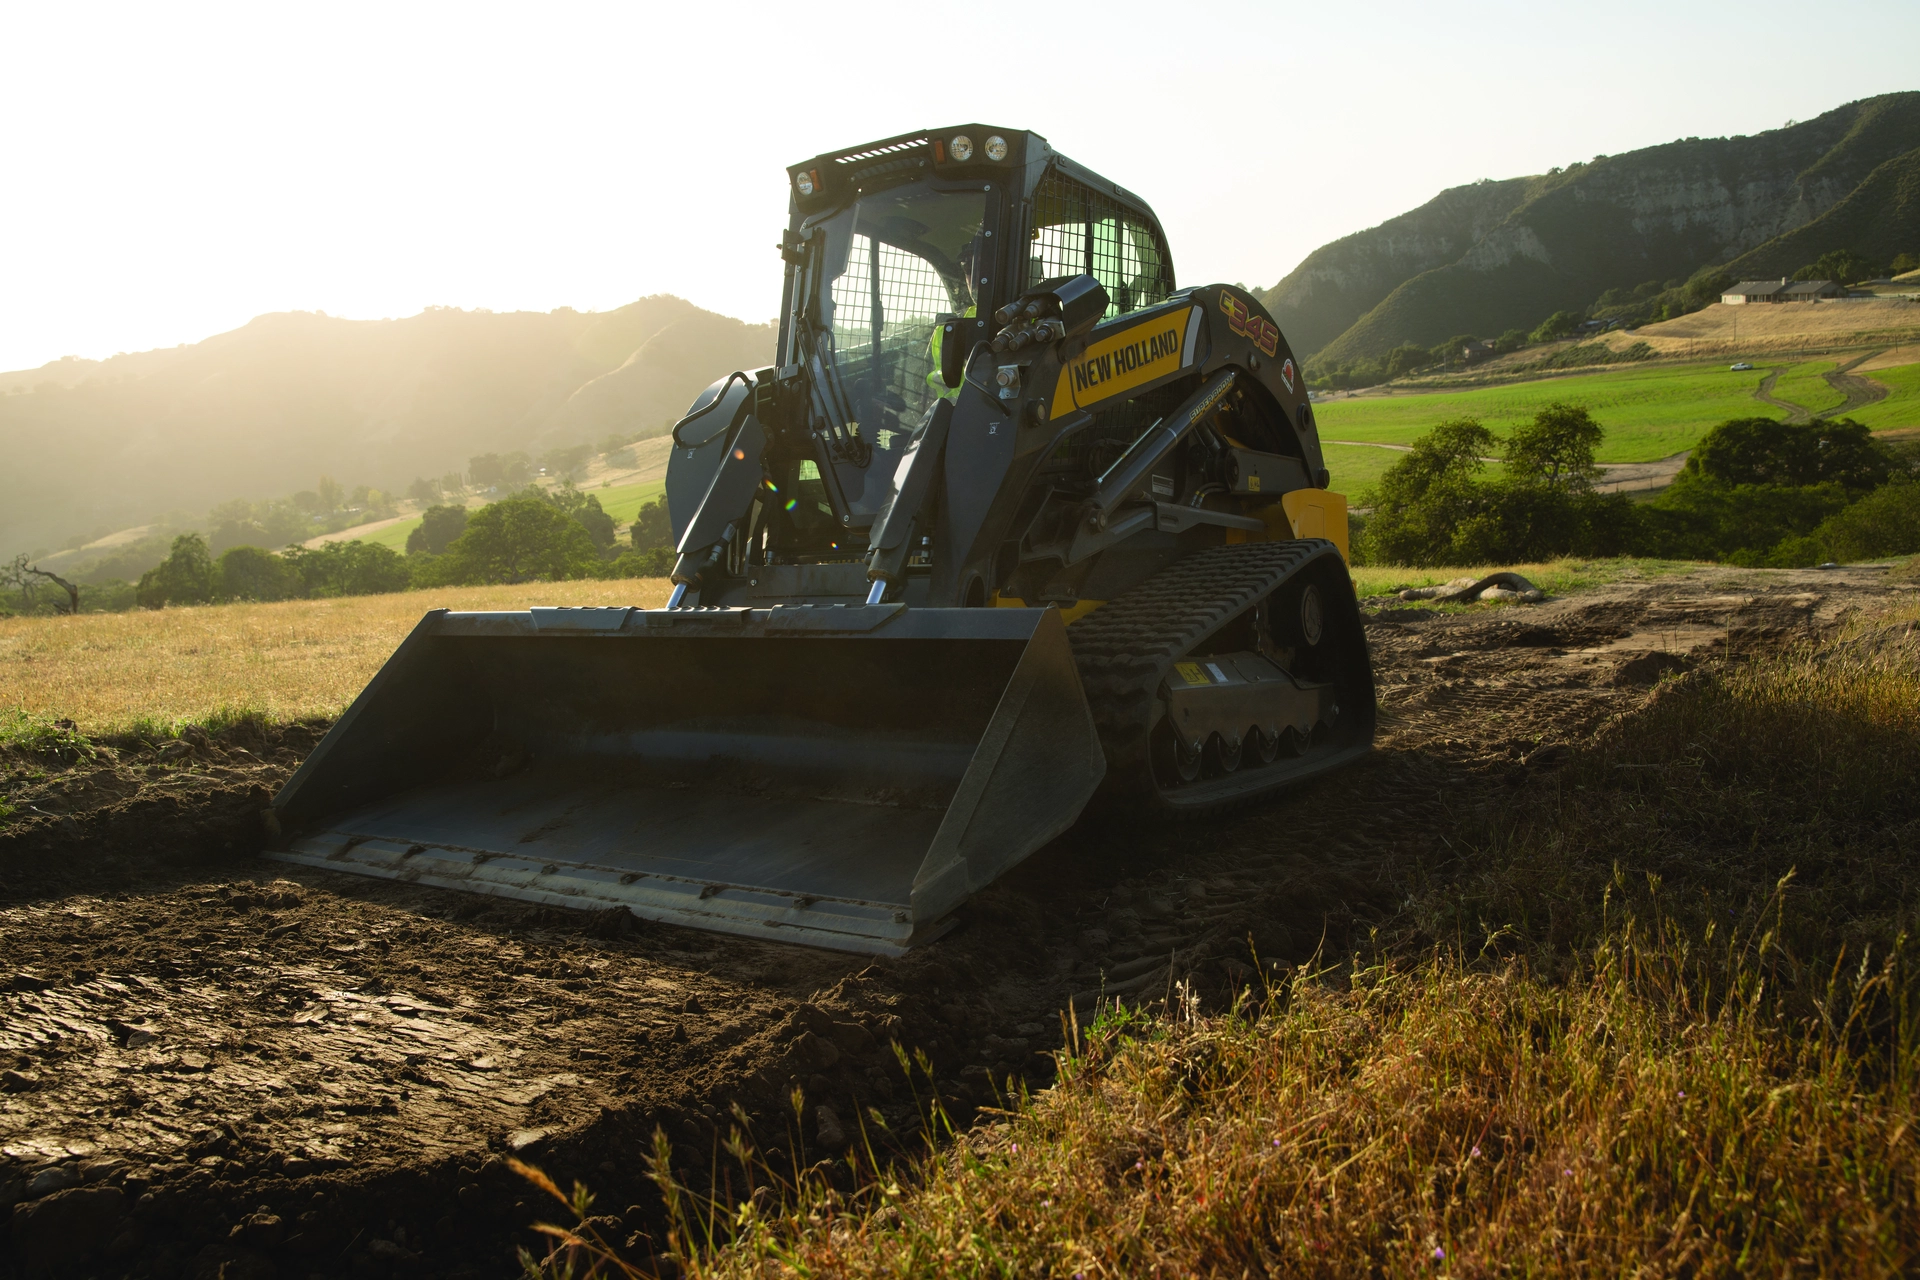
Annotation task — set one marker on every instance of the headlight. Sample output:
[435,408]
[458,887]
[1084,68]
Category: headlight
[961,148]
[804,183]
[996,148]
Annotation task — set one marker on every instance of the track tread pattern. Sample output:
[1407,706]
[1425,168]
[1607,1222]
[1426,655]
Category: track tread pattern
[1125,648]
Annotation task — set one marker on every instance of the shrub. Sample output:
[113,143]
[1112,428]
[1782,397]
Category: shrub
[1884,523]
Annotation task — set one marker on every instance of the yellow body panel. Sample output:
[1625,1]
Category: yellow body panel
[1310,513]
[1114,366]
[1069,615]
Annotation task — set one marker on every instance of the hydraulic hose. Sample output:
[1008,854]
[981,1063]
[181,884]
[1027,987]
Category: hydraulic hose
[709,407]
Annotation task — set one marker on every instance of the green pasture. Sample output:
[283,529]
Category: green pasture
[394,536]
[1901,408]
[1648,413]
[1356,467]
[1802,384]
[622,501]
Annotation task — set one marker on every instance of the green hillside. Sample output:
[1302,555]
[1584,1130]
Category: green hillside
[93,446]
[1504,255]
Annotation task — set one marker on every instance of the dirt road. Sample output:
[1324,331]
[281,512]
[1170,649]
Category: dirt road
[216,1066]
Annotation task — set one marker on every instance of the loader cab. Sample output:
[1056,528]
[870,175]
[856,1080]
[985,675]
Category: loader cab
[877,247]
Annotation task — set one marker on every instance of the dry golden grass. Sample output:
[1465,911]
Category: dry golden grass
[111,671]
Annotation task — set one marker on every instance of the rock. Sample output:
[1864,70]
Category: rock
[18,1082]
[1028,1029]
[55,1177]
[832,1135]
[262,1229]
[954,1015]
[852,1038]
[140,1038]
[521,1139]
[814,1019]
[1158,906]
[817,1052]
[27,982]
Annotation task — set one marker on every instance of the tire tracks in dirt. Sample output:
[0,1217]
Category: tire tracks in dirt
[1859,389]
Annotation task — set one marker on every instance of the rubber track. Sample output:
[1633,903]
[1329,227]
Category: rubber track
[1125,648]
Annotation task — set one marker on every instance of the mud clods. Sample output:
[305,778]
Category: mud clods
[215,1065]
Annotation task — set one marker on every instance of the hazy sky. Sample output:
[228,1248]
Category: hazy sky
[173,170]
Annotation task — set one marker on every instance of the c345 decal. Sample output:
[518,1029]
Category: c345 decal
[1240,318]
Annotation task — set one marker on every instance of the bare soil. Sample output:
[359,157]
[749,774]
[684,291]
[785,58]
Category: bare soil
[213,1065]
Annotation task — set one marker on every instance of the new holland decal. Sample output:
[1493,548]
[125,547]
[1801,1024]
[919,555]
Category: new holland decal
[1240,318]
[1129,359]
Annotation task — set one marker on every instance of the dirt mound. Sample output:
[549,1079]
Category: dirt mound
[208,1066]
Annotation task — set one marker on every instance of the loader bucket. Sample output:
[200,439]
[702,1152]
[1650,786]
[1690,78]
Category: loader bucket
[842,776]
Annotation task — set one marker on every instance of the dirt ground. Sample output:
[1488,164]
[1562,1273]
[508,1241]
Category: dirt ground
[214,1065]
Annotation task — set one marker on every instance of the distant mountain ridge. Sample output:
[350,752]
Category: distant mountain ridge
[265,409]
[1493,256]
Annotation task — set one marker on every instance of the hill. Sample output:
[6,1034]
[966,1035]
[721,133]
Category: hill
[1503,255]
[269,407]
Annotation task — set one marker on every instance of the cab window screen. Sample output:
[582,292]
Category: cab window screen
[1076,229]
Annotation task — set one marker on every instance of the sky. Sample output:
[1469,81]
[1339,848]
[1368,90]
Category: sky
[174,170]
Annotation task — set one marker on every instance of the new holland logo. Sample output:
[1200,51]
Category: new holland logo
[1101,366]
[1241,320]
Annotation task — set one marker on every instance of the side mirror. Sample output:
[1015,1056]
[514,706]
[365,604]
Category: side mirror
[953,352]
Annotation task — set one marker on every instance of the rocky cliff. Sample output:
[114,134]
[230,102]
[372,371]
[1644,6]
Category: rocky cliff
[1501,255]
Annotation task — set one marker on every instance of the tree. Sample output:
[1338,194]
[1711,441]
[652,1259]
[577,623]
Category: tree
[1406,359]
[652,527]
[423,490]
[329,493]
[1423,498]
[186,576]
[439,526]
[1511,340]
[585,508]
[1842,266]
[1554,327]
[1756,451]
[1556,448]
[567,460]
[21,576]
[520,539]
[1904,263]
[253,573]
[349,569]
[490,470]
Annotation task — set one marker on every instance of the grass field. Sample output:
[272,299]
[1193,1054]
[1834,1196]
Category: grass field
[1802,384]
[113,671]
[1901,409]
[621,501]
[1648,413]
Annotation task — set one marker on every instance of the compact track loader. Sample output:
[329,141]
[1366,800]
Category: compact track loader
[1015,525]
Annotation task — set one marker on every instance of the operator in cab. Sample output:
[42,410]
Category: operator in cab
[969,259]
